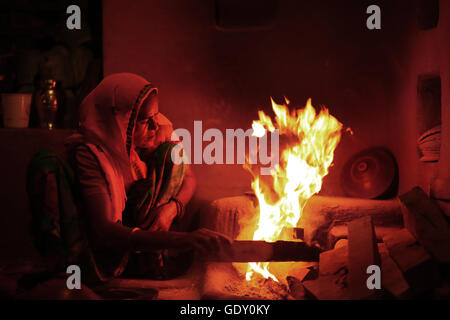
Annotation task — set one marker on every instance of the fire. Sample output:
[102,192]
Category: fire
[307,144]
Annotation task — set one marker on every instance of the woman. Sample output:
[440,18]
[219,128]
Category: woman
[131,193]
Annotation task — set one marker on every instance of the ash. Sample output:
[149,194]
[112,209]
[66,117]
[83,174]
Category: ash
[258,288]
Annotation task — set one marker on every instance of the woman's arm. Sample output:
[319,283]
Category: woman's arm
[103,231]
[187,187]
[106,233]
[117,237]
[166,213]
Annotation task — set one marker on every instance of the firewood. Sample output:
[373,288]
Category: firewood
[415,263]
[332,281]
[341,232]
[341,243]
[303,274]
[362,253]
[223,215]
[321,213]
[257,251]
[332,261]
[296,288]
[425,220]
[392,279]
[331,287]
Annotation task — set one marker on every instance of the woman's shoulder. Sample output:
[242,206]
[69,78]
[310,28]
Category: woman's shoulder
[85,157]
[89,172]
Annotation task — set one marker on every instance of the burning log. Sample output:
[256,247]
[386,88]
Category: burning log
[322,213]
[257,251]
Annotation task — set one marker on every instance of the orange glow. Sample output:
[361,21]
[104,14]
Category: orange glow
[307,144]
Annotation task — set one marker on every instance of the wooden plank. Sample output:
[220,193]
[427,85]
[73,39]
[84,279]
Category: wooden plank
[332,261]
[343,210]
[331,287]
[332,281]
[362,253]
[391,276]
[427,223]
[341,232]
[415,263]
[341,243]
[303,274]
[296,288]
[257,251]
[322,213]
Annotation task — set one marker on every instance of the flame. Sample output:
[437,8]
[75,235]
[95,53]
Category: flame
[309,140]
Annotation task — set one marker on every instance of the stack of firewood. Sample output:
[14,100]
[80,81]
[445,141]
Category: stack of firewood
[413,258]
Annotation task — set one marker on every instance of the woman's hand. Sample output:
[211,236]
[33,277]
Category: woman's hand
[206,241]
[164,216]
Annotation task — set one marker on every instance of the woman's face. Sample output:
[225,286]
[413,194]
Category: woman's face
[146,124]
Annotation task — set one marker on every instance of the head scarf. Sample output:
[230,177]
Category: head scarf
[108,117]
[107,120]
